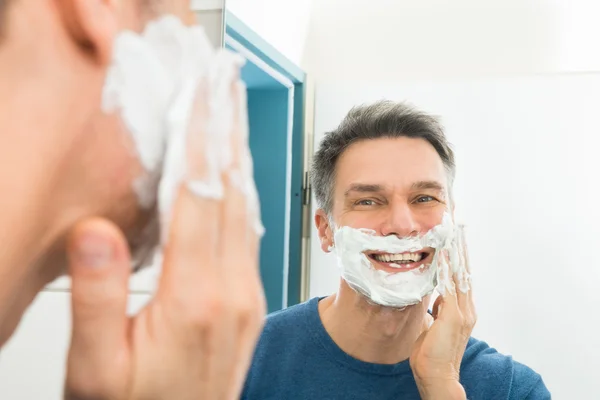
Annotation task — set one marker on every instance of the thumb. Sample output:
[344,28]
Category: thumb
[99,265]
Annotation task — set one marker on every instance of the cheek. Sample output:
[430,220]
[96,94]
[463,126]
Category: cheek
[112,160]
[365,220]
[433,218]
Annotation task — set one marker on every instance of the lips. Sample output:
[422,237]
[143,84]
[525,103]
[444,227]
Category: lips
[399,262]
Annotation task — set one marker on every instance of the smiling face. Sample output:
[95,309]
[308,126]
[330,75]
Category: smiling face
[393,186]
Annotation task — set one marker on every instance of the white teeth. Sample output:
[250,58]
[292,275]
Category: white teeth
[412,257]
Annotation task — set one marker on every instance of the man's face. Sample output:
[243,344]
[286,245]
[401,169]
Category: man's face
[394,186]
[101,165]
[139,224]
[88,161]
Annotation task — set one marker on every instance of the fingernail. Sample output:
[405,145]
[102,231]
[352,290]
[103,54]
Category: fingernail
[93,251]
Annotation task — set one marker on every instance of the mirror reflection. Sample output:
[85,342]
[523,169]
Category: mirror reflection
[268,199]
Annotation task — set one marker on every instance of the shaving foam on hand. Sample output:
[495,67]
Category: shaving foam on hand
[405,288]
[173,90]
[452,263]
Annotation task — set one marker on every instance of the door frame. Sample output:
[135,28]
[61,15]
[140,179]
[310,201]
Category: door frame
[243,39]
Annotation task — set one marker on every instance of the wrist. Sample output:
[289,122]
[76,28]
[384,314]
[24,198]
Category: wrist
[447,390]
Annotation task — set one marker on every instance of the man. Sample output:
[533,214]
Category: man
[66,179]
[387,168]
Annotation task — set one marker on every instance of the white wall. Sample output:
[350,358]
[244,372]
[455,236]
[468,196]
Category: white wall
[32,364]
[363,50]
[387,40]
[282,23]
[526,150]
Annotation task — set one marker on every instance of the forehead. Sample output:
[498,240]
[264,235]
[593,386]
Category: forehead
[394,162]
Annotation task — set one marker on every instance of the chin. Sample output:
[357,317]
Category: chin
[421,306]
[366,298]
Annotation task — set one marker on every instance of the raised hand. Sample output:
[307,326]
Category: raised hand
[196,337]
[438,352]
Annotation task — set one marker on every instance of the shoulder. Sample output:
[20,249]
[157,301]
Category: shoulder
[287,327]
[285,337]
[527,384]
[289,318]
[485,370]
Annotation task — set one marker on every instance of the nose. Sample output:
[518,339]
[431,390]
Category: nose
[400,221]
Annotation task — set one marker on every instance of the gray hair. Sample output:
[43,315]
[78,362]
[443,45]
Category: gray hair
[383,119]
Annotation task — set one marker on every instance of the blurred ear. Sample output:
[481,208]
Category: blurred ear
[93,25]
[324,229]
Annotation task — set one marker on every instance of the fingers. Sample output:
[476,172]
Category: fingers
[235,208]
[99,266]
[210,281]
[191,249]
[233,260]
[463,280]
[196,228]
[247,168]
[461,275]
[461,269]
[239,254]
[448,297]
[442,260]
[251,325]
[456,302]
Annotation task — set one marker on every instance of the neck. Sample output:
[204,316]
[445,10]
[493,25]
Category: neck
[42,111]
[376,334]
[30,221]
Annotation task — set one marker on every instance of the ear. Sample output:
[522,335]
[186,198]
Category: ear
[93,25]
[325,230]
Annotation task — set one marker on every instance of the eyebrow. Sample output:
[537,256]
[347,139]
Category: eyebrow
[425,185]
[363,188]
[375,188]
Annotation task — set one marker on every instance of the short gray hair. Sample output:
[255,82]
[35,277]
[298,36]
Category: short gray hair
[383,119]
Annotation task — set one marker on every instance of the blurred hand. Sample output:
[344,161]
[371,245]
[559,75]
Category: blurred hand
[438,352]
[196,337]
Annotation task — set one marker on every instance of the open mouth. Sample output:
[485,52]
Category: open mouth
[400,262]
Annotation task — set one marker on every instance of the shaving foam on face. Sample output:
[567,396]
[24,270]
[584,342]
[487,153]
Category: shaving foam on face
[404,288]
[183,104]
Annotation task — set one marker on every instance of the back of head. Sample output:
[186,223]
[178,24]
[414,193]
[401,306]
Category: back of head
[383,119]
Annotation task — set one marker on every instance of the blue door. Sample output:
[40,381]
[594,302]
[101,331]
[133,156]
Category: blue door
[275,111]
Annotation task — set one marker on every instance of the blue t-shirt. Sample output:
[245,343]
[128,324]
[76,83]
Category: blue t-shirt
[297,359]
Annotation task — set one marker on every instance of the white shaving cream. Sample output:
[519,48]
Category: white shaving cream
[175,94]
[402,288]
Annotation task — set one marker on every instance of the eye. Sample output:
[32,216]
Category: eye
[425,199]
[365,202]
